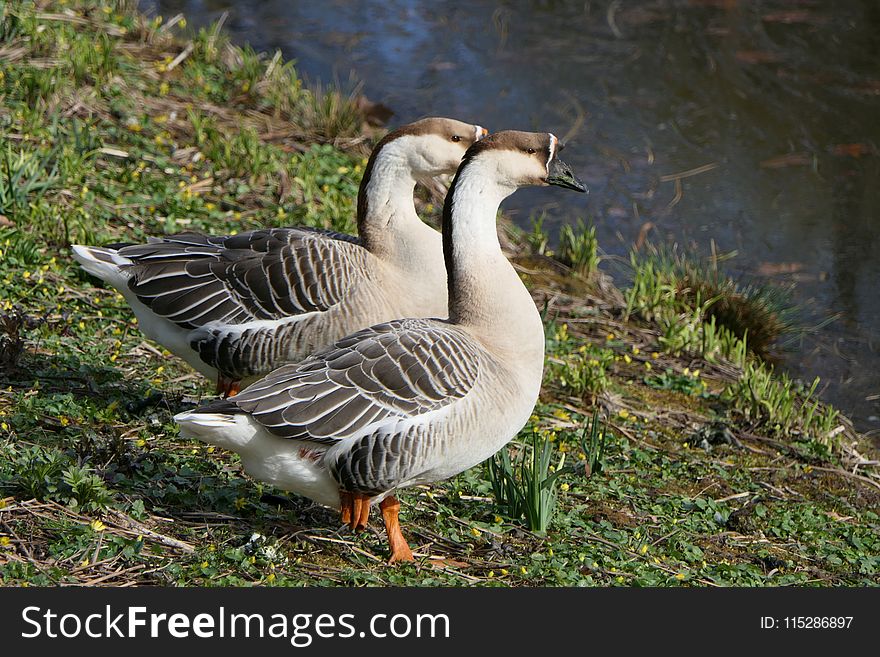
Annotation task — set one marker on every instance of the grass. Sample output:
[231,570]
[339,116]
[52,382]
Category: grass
[653,457]
[578,248]
[682,293]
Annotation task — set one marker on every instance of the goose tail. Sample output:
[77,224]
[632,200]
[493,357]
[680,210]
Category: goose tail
[220,423]
[103,263]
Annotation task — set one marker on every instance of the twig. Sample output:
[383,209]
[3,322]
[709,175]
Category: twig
[183,55]
[690,172]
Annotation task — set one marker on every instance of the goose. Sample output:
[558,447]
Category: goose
[409,401]
[235,307]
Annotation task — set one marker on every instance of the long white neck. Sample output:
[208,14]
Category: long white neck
[485,292]
[387,221]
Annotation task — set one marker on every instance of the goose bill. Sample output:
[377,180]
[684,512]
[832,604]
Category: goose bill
[560,174]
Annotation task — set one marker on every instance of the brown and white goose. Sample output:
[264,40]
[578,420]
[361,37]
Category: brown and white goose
[235,307]
[410,401]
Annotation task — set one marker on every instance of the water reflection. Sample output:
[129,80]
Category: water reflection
[773,104]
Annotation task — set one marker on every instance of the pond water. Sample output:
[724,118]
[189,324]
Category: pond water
[772,107]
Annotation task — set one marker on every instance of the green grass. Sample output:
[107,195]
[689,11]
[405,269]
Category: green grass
[652,458]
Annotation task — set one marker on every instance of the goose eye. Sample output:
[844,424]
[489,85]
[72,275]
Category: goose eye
[531,151]
[456,138]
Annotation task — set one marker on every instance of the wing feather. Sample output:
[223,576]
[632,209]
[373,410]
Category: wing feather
[262,275]
[372,378]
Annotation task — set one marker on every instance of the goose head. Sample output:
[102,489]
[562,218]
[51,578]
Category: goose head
[431,146]
[517,159]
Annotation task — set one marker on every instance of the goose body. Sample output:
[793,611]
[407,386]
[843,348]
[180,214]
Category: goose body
[236,307]
[409,401]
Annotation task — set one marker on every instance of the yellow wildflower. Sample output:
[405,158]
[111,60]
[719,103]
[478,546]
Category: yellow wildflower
[98,526]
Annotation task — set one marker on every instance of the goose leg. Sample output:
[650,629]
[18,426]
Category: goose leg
[360,512]
[227,387]
[346,506]
[399,547]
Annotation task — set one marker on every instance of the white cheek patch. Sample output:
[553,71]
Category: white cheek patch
[552,150]
[478,132]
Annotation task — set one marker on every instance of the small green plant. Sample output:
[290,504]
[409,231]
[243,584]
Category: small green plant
[777,404]
[579,248]
[87,490]
[36,472]
[652,289]
[688,383]
[584,371]
[538,238]
[593,445]
[48,474]
[526,488]
[505,487]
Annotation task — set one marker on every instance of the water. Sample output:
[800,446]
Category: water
[774,105]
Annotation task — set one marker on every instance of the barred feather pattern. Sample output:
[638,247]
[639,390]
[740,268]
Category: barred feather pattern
[192,279]
[373,400]
[245,351]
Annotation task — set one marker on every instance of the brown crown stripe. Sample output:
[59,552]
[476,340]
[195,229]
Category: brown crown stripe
[513,140]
